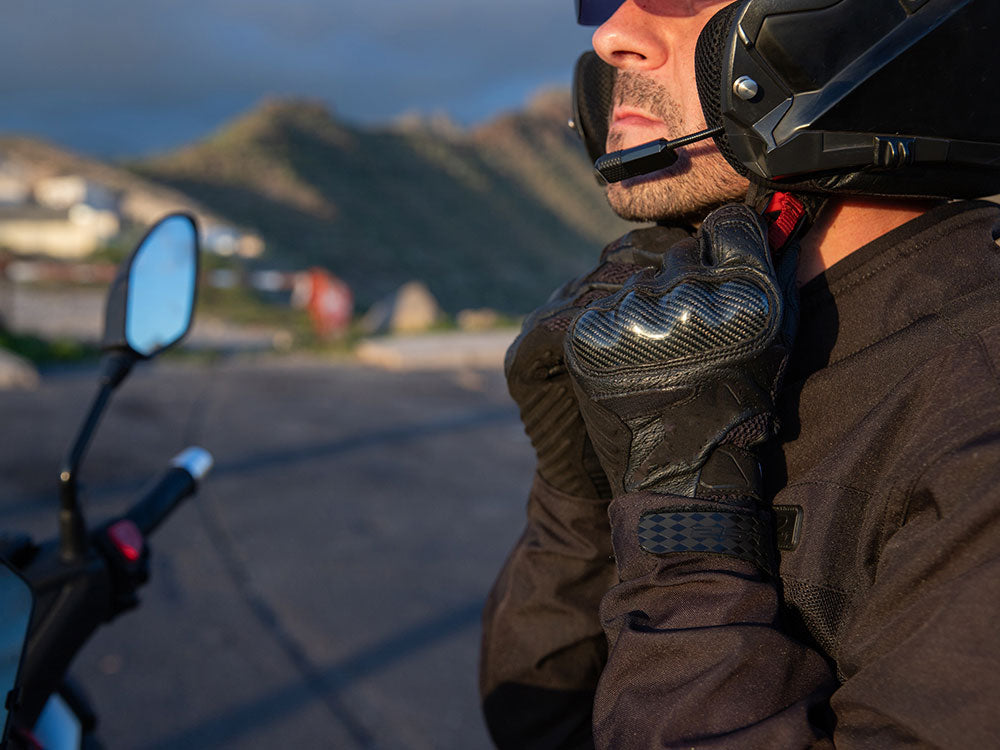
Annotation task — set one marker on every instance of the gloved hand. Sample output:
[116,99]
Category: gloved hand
[543,644]
[536,370]
[678,371]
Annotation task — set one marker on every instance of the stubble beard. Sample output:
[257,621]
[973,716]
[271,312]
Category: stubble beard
[699,181]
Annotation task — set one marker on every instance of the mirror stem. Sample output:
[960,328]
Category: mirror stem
[72,526]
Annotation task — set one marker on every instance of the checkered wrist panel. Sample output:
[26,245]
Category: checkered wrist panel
[707,529]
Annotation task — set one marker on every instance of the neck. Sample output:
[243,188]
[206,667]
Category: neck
[847,225]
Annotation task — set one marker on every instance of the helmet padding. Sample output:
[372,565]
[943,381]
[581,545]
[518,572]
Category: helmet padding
[593,84]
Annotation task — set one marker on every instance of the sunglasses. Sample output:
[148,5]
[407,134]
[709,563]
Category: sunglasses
[595,12]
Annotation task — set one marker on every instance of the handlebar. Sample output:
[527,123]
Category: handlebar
[175,484]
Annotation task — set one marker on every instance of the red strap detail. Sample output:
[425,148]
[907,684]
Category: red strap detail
[783,211]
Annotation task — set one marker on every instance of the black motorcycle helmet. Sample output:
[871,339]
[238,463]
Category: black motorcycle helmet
[864,97]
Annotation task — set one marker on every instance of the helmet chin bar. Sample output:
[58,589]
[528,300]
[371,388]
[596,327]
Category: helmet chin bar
[647,157]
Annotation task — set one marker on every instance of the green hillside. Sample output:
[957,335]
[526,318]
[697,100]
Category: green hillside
[497,216]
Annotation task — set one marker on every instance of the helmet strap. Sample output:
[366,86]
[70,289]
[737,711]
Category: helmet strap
[788,215]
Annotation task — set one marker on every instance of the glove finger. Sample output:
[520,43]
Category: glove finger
[681,259]
[644,278]
[735,236]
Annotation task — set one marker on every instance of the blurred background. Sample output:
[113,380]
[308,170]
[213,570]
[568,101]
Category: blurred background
[384,189]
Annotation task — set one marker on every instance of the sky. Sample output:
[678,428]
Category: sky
[119,78]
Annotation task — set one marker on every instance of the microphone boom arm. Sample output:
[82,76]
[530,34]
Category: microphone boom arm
[647,157]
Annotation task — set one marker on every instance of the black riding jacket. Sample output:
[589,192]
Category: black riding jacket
[882,628]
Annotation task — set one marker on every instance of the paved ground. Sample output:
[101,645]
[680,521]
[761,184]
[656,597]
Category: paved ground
[438,351]
[324,588]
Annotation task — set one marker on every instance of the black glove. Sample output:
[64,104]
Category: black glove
[536,369]
[677,372]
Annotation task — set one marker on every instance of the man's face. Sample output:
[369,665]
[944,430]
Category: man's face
[652,44]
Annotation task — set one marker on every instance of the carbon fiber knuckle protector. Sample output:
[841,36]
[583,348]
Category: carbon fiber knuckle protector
[677,371]
[700,321]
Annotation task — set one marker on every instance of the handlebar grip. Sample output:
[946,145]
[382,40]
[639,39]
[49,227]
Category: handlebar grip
[175,484]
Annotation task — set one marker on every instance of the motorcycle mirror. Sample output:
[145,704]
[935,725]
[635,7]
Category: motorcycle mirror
[151,302]
[16,602]
[150,306]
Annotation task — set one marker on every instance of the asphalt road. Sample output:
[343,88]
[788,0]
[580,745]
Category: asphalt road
[324,588]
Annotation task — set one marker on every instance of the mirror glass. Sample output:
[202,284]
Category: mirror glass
[15,613]
[161,286]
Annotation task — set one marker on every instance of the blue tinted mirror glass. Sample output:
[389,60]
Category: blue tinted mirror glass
[15,612]
[161,286]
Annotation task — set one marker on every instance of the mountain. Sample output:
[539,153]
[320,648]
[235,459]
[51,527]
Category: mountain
[496,216]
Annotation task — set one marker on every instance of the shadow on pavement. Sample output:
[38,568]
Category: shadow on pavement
[331,680]
[47,502]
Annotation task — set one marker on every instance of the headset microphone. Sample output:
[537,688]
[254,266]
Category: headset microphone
[647,157]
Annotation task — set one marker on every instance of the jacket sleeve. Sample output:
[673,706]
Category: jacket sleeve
[697,656]
[699,659]
[543,647]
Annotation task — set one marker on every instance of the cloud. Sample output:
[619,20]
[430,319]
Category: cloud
[75,70]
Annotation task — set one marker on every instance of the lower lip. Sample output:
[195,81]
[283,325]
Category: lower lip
[632,121]
[634,130]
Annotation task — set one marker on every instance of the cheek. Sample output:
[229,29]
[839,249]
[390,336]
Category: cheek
[686,91]
[688,100]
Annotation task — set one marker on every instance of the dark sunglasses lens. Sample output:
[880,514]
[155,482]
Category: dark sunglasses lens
[595,12]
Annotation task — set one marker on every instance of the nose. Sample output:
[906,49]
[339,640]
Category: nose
[627,40]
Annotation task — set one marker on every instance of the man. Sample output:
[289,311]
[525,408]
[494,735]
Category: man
[667,381]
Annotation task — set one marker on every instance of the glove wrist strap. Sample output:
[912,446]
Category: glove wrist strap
[709,529]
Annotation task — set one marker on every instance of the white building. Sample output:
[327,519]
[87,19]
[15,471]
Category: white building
[74,233]
[70,190]
[14,190]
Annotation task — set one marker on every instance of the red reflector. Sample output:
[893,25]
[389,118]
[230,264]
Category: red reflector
[127,538]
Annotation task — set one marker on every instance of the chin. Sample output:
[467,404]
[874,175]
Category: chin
[660,175]
[685,192]
[652,198]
